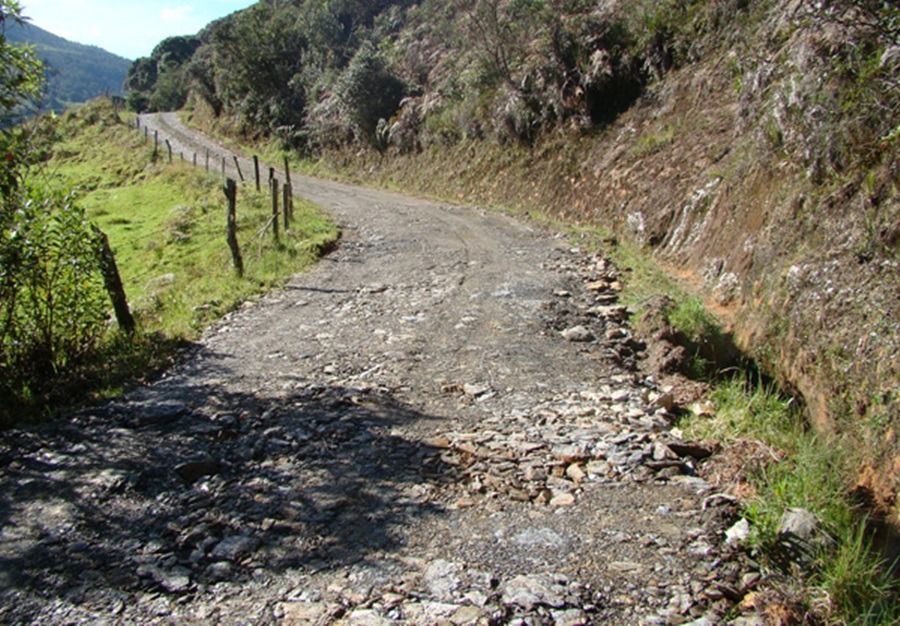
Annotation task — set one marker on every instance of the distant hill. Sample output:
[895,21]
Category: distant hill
[75,72]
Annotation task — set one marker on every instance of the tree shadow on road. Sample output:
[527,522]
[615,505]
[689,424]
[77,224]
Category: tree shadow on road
[174,495]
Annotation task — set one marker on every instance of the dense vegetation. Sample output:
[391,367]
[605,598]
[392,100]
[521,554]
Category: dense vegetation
[74,72]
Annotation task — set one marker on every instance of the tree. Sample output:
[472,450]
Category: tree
[368,91]
[21,80]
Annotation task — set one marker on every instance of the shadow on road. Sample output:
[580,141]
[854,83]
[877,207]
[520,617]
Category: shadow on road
[171,494]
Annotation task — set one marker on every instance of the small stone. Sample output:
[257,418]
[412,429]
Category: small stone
[575,472]
[662,452]
[192,471]
[577,334]
[177,581]
[307,613]
[562,499]
[570,617]
[234,547]
[442,579]
[738,533]
[528,592]
[696,450]
[799,523]
[367,617]
[221,570]
[466,615]
[475,390]
[155,412]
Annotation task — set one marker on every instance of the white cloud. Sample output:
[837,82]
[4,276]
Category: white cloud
[176,14]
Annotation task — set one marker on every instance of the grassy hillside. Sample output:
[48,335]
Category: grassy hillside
[75,72]
[166,225]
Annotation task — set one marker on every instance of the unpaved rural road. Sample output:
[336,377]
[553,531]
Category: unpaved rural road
[416,431]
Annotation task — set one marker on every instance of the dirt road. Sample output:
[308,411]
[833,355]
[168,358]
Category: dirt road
[440,423]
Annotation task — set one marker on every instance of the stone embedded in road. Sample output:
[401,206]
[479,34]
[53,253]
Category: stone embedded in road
[562,499]
[234,547]
[442,578]
[192,471]
[536,590]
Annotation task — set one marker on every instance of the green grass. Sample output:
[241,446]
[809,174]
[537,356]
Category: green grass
[849,583]
[166,225]
[651,142]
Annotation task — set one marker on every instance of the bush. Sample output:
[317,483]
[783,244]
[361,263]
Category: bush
[53,309]
[368,92]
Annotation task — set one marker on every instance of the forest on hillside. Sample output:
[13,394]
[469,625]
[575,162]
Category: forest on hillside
[74,72]
[407,73]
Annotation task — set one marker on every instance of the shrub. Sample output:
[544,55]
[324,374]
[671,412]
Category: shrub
[53,309]
[368,92]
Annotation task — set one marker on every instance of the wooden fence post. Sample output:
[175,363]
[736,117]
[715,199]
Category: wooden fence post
[285,205]
[195,159]
[113,282]
[287,169]
[237,166]
[169,148]
[181,154]
[275,215]
[155,143]
[207,159]
[230,190]
[146,131]
[137,120]
[271,175]
[223,167]
[256,170]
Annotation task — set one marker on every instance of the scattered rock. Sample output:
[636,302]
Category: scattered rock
[738,533]
[562,499]
[442,579]
[529,592]
[577,334]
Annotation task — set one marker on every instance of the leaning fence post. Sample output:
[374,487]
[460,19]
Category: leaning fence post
[287,169]
[256,170]
[275,208]
[169,147]
[223,167]
[113,282]
[155,143]
[230,190]
[237,166]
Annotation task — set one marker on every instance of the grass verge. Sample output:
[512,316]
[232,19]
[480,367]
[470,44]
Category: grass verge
[849,582]
[166,224]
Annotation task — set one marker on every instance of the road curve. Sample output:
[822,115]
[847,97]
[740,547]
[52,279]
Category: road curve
[440,422]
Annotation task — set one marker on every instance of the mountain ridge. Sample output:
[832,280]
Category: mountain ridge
[76,72]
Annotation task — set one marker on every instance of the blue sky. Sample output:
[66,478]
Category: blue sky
[129,28]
